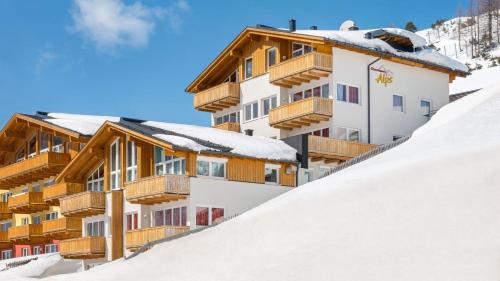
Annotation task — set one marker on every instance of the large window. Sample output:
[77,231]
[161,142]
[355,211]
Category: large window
[20,155]
[44,142]
[211,167]
[206,215]
[348,134]
[319,91]
[25,221]
[51,216]
[165,164]
[115,164]
[37,219]
[321,133]
[94,229]
[271,57]
[233,77]
[230,117]
[348,94]
[50,248]
[37,250]
[299,49]
[95,182]
[5,226]
[132,221]
[25,251]
[131,161]
[171,217]
[272,173]
[57,144]
[7,254]
[251,111]
[425,108]
[268,104]
[248,68]
[397,103]
[4,197]
[32,147]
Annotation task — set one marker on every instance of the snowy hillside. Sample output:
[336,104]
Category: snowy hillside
[426,210]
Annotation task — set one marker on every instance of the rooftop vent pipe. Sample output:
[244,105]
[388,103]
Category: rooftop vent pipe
[313,27]
[292,25]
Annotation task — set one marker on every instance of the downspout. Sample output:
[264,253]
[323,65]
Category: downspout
[369,98]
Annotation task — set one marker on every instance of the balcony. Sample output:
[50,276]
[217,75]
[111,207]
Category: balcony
[83,248]
[301,113]
[5,213]
[63,228]
[83,204]
[302,69]
[34,169]
[4,240]
[26,203]
[229,126]
[26,234]
[217,98]
[157,189]
[331,150]
[135,239]
[52,194]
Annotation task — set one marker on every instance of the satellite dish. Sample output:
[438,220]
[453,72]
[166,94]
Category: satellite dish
[347,25]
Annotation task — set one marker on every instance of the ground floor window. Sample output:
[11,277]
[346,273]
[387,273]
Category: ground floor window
[37,250]
[206,215]
[6,254]
[51,248]
[171,217]
[272,173]
[132,221]
[25,252]
[94,229]
[348,134]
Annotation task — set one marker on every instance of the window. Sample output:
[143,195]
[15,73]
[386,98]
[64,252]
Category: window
[325,91]
[248,68]
[32,147]
[57,145]
[36,188]
[425,108]
[115,164]
[271,57]
[5,226]
[131,161]
[37,219]
[321,133]
[165,164]
[25,252]
[132,221]
[397,103]
[251,111]
[37,250]
[210,167]
[171,217]
[233,77]
[20,155]
[25,221]
[268,104]
[94,229]
[44,142]
[95,182]
[206,216]
[271,173]
[50,248]
[348,93]
[202,216]
[6,254]
[348,134]
[300,49]
[309,175]
[5,197]
[231,117]
[319,91]
[51,216]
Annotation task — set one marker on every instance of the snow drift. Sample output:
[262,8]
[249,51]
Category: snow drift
[425,210]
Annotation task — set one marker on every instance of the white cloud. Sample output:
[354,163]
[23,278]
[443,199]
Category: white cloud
[109,24]
[43,60]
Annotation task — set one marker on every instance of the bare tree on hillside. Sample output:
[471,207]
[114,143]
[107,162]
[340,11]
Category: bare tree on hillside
[488,7]
[460,14]
[471,12]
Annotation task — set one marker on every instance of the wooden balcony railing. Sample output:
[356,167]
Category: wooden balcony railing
[30,170]
[134,239]
[157,189]
[84,204]
[4,240]
[83,248]
[229,126]
[217,98]
[26,234]
[301,69]
[322,148]
[52,194]
[63,228]
[5,213]
[301,113]
[26,203]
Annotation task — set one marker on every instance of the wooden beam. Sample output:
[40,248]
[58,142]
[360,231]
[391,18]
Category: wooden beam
[282,84]
[14,134]
[4,148]
[317,73]
[307,76]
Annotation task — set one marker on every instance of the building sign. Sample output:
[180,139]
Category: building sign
[384,75]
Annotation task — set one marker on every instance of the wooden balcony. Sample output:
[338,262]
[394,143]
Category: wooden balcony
[229,126]
[134,239]
[26,203]
[5,213]
[4,240]
[157,189]
[217,98]
[301,113]
[83,248]
[302,69]
[26,234]
[84,204]
[52,194]
[30,170]
[63,228]
[331,150]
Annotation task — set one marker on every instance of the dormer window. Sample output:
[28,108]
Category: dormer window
[299,49]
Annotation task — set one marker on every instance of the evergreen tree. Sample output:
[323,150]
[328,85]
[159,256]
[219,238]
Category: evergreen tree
[410,26]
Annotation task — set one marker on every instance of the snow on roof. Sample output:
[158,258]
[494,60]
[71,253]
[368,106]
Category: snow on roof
[241,144]
[478,79]
[83,124]
[423,53]
[182,142]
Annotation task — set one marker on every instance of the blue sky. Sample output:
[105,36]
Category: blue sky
[129,58]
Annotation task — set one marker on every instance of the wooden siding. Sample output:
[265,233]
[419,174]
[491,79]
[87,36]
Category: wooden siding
[158,189]
[245,170]
[26,234]
[287,179]
[5,213]
[229,126]
[37,168]
[301,113]
[134,239]
[83,204]
[117,224]
[63,228]
[301,69]
[52,194]
[83,248]
[325,148]
[218,97]
[29,202]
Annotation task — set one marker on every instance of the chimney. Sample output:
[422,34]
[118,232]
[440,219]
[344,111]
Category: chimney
[313,27]
[249,132]
[292,25]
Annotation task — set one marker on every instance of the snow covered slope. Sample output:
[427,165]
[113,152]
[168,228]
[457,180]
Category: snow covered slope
[44,265]
[478,79]
[425,210]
